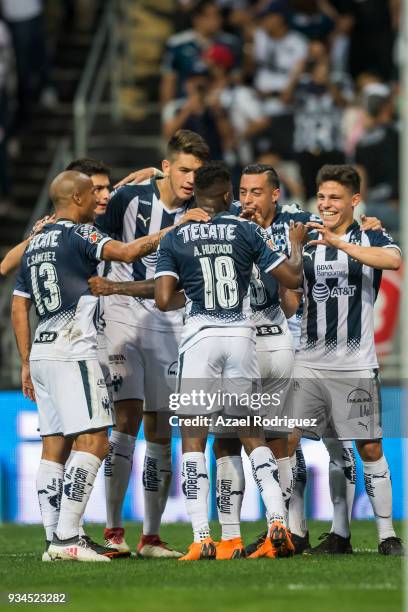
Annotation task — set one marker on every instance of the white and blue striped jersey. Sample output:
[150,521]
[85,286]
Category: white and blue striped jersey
[135,211]
[54,274]
[339,296]
[264,289]
[213,263]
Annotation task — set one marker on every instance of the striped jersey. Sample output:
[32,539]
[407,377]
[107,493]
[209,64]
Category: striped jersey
[135,211]
[339,296]
[54,274]
[264,289]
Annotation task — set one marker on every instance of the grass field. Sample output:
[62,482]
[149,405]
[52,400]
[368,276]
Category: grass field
[363,582]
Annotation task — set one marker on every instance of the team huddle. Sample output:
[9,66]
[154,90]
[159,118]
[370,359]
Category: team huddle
[169,286]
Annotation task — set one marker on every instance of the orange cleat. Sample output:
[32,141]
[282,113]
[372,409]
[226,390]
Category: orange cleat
[230,549]
[200,550]
[277,543]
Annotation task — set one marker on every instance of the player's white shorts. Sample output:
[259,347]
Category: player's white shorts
[72,396]
[219,373]
[343,405]
[104,361]
[142,363]
[276,368]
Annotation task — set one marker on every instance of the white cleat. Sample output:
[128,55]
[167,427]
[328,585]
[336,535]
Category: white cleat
[114,538]
[152,547]
[73,549]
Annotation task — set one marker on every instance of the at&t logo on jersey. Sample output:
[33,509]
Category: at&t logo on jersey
[321,292]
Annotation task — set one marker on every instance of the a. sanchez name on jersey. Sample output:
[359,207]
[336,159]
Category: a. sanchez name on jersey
[213,263]
[54,274]
[339,296]
[135,211]
[267,313]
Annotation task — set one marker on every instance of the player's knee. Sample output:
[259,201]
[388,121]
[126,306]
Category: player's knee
[226,447]
[369,451]
[128,416]
[293,441]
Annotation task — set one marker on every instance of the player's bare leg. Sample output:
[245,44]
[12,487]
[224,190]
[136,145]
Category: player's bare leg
[297,520]
[230,489]
[377,482]
[118,467]
[76,490]
[156,484]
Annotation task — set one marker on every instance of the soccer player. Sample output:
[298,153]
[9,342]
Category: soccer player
[336,368]
[143,344]
[212,263]
[61,371]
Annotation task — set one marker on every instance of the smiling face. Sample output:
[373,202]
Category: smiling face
[336,204]
[101,184]
[180,171]
[255,191]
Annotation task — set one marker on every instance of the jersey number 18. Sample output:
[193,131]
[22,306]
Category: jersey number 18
[220,284]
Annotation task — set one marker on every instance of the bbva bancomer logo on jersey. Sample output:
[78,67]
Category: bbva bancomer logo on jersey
[321,292]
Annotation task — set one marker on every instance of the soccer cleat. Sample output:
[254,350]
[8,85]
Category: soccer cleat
[300,543]
[332,544]
[277,543]
[200,550]
[73,549]
[151,547]
[45,556]
[391,546]
[251,548]
[114,539]
[107,551]
[230,549]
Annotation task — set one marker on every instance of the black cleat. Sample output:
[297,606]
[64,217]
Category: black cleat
[332,544]
[300,543]
[391,546]
[251,548]
[111,553]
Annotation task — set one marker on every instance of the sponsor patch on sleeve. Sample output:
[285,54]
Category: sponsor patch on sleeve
[89,233]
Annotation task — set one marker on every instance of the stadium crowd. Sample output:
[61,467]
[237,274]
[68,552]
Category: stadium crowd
[293,83]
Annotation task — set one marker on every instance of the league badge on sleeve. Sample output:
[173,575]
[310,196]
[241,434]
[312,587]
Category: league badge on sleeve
[89,233]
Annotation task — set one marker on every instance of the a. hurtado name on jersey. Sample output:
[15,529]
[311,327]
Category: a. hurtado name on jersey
[212,249]
[207,231]
[332,269]
[42,241]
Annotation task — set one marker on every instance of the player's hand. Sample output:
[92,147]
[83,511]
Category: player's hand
[100,286]
[138,176]
[297,233]
[26,382]
[40,224]
[327,237]
[370,223]
[251,213]
[195,214]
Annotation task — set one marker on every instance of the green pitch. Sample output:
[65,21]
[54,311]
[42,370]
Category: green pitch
[362,582]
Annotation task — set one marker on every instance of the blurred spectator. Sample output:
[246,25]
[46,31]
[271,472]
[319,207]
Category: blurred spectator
[25,19]
[310,19]
[318,106]
[5,59]
[277,50]
[183,52]
[291,186]
[197,112]
[377,156]
[240,103]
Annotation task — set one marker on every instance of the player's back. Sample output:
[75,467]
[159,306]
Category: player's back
[54,274]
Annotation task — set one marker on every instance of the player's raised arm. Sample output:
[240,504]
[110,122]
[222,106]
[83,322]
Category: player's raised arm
[20,309]
[290,300]
[385,256]
[104,286]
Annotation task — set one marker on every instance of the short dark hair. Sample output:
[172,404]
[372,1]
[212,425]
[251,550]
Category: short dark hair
[200,7]
[89,166]
[211,174]
[273,178]
[185,141]
[344,174]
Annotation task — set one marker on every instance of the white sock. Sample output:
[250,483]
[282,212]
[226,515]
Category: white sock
[297,520]
[377,480]
[266,475]
[49,490]
[285,480]
[79,478]
[81,522]
[196,486]
[342,480]
[118,466]
[230,492]
[156,485]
